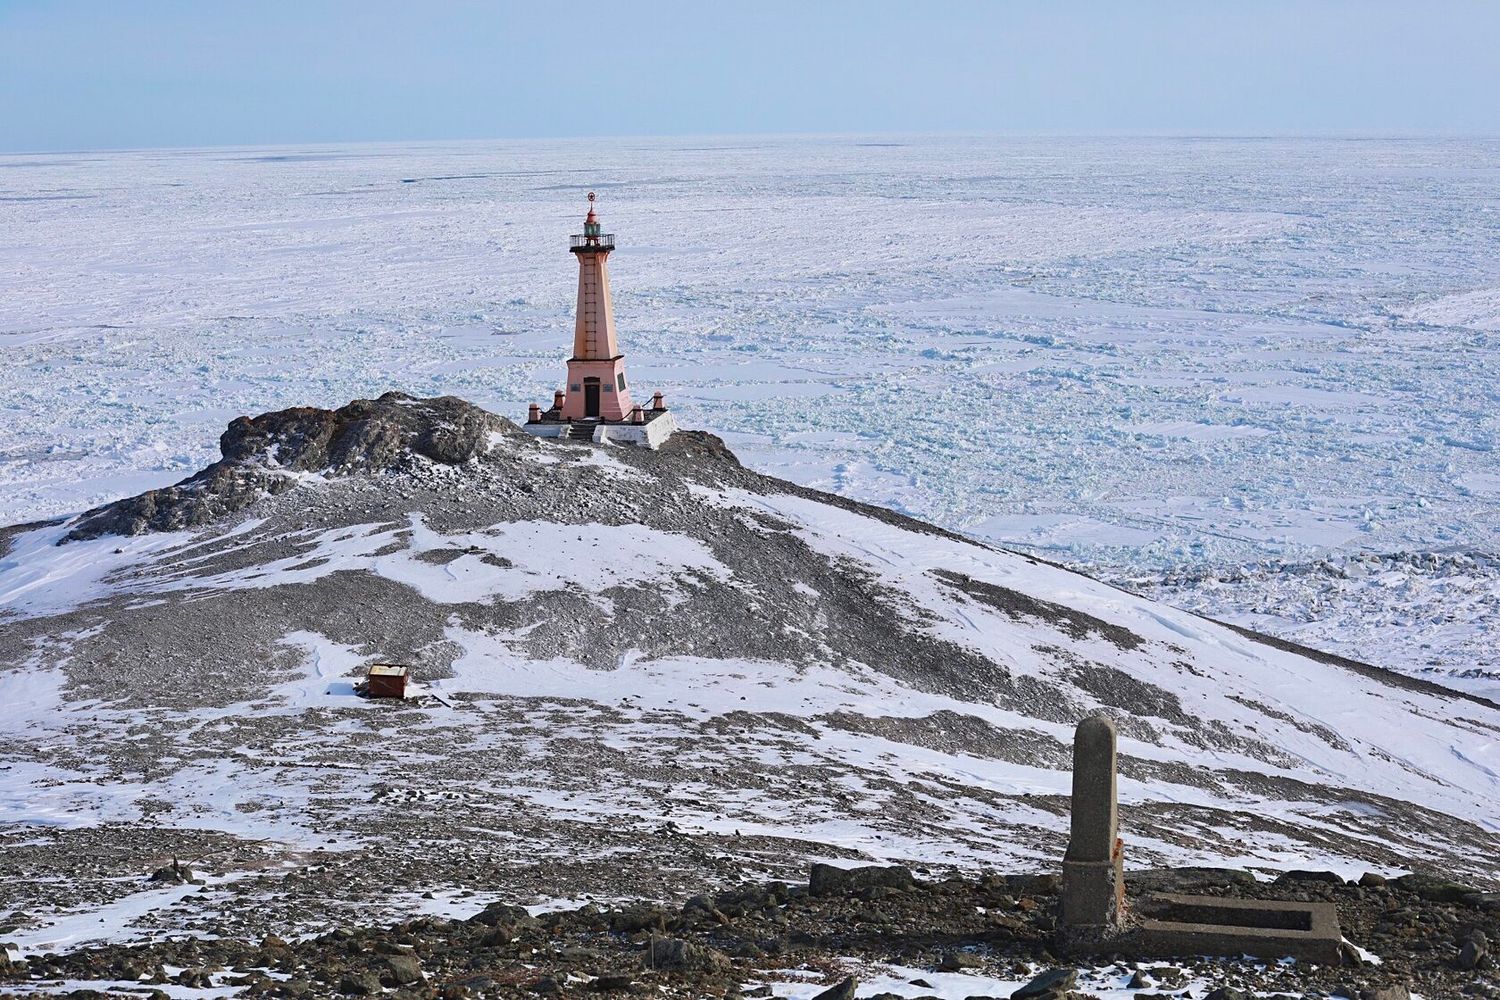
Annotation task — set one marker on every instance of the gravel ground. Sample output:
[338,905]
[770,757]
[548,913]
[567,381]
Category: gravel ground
[1422,935]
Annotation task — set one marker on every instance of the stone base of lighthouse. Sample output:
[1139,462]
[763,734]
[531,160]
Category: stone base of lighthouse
[596,406]
[653,428]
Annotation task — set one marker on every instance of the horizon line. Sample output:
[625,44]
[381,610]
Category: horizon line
[1185,134]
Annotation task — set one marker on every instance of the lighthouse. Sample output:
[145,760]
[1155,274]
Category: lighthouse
[597,389]
[596,404]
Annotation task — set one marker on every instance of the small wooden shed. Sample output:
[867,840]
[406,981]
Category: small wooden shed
[387,680]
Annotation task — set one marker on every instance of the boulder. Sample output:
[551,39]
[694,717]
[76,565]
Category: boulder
[1299,875]
[677,955]
[498,937]
[842,991]
[1190,879]
[826,880]
[954,961]
[1035,885]
[1050,985]
[400,970]
[174,874]
[749,898]
[612,983]
[640,917]
[1475,952]
[498,913]
[1433,888]
[360,984]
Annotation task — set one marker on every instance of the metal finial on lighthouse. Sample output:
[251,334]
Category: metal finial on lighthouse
[591,227]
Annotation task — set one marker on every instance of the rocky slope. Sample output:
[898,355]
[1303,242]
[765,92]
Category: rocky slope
[639,674]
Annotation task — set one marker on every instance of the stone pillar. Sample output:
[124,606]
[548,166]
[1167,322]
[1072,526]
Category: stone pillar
[1093,882]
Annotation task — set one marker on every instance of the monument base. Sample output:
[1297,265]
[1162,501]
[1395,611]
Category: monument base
[1093,892]
[1091,905]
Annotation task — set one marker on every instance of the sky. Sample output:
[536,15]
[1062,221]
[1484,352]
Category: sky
[97,74]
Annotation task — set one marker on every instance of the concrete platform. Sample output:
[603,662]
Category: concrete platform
[657,428]
[1172,926]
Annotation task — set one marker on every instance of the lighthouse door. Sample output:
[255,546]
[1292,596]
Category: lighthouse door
[590,397]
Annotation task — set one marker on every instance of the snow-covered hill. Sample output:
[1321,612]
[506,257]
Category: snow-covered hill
[640,671]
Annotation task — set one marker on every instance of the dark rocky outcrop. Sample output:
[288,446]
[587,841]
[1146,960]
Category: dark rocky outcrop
[266,455]
[1019,606]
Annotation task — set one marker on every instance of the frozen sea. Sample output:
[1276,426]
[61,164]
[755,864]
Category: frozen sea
[1259,378]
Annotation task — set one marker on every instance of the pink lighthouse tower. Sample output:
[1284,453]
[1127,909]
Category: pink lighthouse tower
[596,371]
[596,405]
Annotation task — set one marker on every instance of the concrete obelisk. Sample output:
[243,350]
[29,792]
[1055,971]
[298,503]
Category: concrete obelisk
[1093,881]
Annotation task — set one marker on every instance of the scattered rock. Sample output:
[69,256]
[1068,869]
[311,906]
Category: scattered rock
[1370,880]
[579,952]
